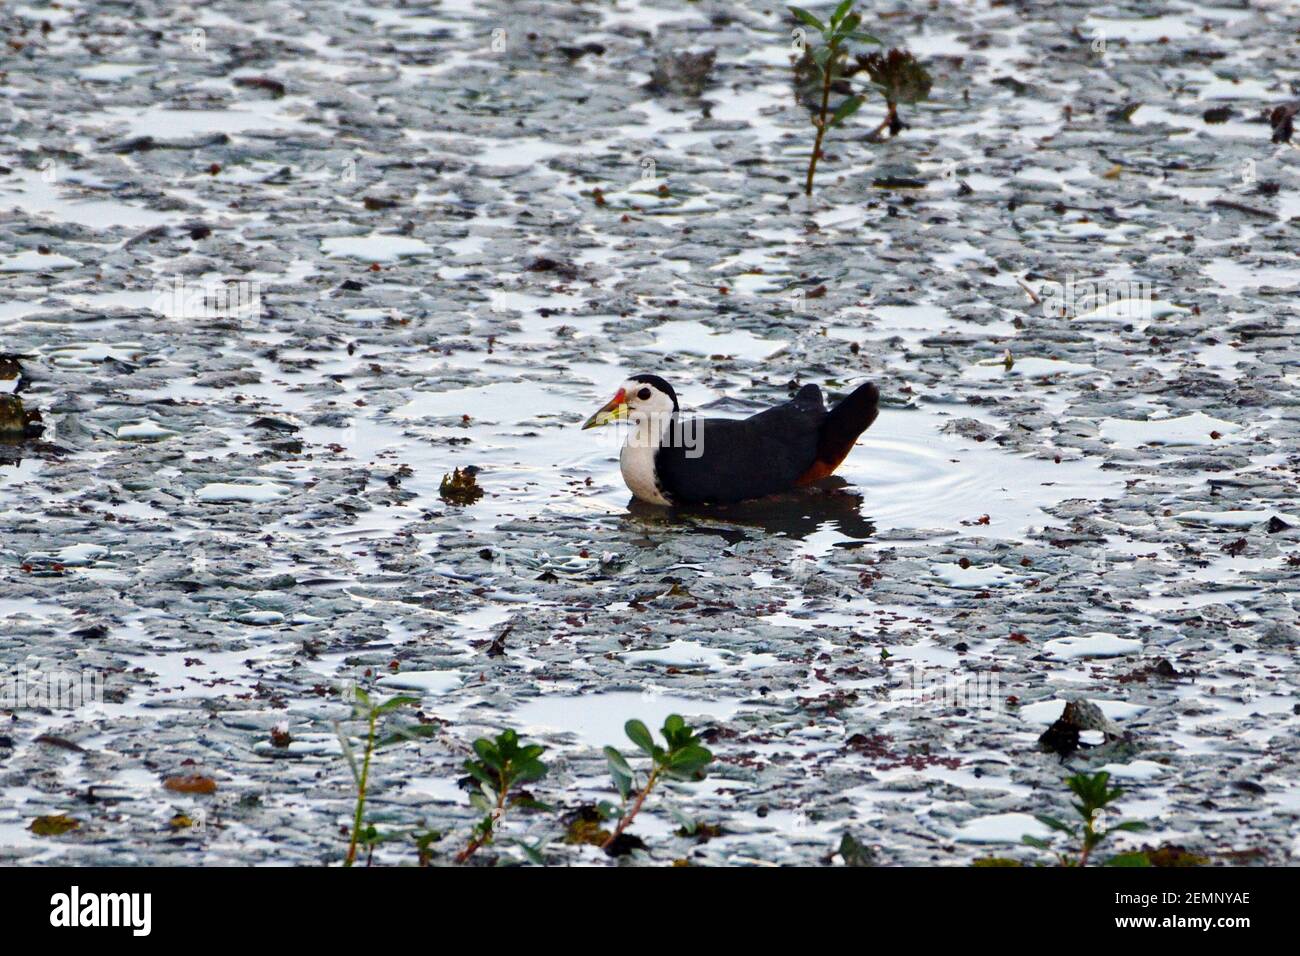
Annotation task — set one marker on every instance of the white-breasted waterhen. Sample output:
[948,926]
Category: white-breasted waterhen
[671,460]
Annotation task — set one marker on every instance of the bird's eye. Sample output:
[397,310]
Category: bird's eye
[644,394]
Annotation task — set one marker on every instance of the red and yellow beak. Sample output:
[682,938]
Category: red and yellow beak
[615,410]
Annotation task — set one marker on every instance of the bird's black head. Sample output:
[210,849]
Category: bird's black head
[656,382]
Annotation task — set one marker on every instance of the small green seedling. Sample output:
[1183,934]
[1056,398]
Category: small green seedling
[682,759]
[501,766]
[854,853]
[424,841]
[1094,797]
[829,59]
[365,709]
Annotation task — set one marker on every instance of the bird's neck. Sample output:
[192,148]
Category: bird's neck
[649,431]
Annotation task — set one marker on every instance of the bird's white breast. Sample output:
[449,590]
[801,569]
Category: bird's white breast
[637,462]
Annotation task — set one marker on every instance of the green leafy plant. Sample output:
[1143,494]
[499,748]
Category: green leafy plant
[829,60]
[1094,796]
[854,853]
[371,838]
[900,78]
[424,841]
[681,759]
[688,826]
[502,765]
[373,715]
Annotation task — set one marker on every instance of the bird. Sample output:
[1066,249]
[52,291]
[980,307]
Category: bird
[672,460]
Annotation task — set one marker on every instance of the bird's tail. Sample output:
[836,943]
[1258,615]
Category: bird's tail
[844,423]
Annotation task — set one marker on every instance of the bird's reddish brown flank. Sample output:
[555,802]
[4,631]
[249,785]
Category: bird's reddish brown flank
[845,422]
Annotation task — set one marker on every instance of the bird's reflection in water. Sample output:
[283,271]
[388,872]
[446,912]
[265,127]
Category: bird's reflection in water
[795,514]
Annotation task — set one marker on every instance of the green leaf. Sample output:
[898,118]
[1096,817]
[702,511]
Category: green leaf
[531,770]
[639,734]
[861,37]
[622,784]
[426,839]
[394,702]
[481,803]
[372,836]
[361,697]
[842,9]
[534,853]
[617,761]
[346,745]
[405,734]
[620,771]
[1054,823]
[808,18]
[528,803]
[854,853]
[1035,842]
[688,825]
[675,731]
[846,109]
[480,773]
[1129,825]
[488,753]
[688,761]
[1128,859]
